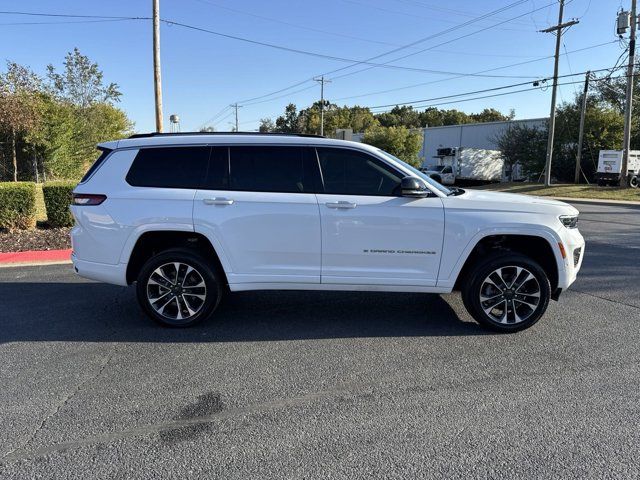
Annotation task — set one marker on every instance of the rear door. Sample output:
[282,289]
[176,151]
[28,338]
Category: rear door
[370,234]
[260,208]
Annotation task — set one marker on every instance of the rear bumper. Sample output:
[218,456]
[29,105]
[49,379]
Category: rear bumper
[608,177]
[102,272]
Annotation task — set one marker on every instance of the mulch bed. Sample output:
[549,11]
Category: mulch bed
[40,238]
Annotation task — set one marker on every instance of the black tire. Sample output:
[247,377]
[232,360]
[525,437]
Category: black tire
[179,308]
[634,181]
[437,178]
[520,301]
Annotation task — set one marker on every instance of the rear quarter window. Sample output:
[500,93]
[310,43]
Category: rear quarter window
[104,153]
[170,167]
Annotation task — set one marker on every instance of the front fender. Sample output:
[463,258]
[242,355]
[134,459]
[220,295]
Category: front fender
[449,273]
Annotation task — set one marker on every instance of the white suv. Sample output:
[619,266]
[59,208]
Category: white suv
[189,217]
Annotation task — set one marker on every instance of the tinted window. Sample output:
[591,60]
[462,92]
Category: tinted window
[218,174]
[273,169]
[173,167]
[354,173]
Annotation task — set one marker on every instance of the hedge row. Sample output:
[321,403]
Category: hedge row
[18,202]
[17,205]
[57,198]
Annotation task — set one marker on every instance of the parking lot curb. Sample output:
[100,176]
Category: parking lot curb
[597,201]
[35,257]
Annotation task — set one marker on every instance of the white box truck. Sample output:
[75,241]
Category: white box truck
[610,166]
[466,164]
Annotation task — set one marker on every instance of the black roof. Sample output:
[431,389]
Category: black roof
[177,134]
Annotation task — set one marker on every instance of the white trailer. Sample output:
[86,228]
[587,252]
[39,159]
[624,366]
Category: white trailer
[466,164]
[610,166]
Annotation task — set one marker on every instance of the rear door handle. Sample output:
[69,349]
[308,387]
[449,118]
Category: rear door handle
[341,204]
[218,201]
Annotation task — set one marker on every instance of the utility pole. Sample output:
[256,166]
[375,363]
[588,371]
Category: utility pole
[157,79]
[236,106]
[583,112]
[321,80]
[552,114]
[629,100]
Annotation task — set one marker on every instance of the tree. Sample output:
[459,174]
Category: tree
[603,130]
[400,116]
[491,115]
[78,114]
[266,125]
[398,141]
[208,129]
[81,83]
[19,112]
[523,145]
[288,123]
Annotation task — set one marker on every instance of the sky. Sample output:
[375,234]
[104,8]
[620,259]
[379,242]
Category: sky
[203,73]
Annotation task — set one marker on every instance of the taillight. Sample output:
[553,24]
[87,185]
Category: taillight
[88,199]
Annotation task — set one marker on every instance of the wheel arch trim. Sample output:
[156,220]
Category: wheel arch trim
[547,234]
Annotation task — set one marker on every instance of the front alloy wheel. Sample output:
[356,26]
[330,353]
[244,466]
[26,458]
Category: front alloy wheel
[510,294]
[507,292]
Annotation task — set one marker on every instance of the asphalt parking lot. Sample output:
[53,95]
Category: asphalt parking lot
[319,385]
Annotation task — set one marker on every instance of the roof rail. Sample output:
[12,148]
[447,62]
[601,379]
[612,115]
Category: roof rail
[178,134]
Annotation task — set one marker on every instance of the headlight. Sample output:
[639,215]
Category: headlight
[569,221]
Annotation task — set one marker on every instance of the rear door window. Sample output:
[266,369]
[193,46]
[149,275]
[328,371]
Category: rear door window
[350,172]
[273,169]
[170,167]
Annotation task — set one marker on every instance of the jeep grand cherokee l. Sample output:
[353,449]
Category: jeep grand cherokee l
[189,217]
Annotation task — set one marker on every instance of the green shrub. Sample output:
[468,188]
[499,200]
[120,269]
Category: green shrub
[17,205]
[57,198]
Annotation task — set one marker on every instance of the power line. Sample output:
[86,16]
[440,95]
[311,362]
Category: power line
[295,25]
[436,35]
[322,55]
[443,32]
[70,22]
[68,15]
[542,80]
[462,76]
[440,44]
[489,96]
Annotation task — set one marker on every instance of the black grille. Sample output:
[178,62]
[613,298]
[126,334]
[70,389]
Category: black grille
[576,256]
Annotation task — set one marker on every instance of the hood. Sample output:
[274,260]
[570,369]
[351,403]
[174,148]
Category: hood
[500,201]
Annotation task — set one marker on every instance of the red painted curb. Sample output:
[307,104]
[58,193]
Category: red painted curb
[36,256]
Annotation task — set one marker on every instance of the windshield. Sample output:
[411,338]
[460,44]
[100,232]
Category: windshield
[418,173]
[435,168]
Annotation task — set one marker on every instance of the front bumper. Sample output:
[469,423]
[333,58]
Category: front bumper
[574,247]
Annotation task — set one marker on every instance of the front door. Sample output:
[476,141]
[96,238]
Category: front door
[370,234]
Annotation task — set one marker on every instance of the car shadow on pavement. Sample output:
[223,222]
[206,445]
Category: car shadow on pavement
[94,312]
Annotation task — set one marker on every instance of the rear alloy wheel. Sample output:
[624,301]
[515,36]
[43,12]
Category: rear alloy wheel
[507,293]
[634,181]
[177,289]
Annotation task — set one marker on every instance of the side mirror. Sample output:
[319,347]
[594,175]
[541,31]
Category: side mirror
[413,187]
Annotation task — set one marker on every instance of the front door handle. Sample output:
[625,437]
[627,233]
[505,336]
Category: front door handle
[341,204]
[218,201]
